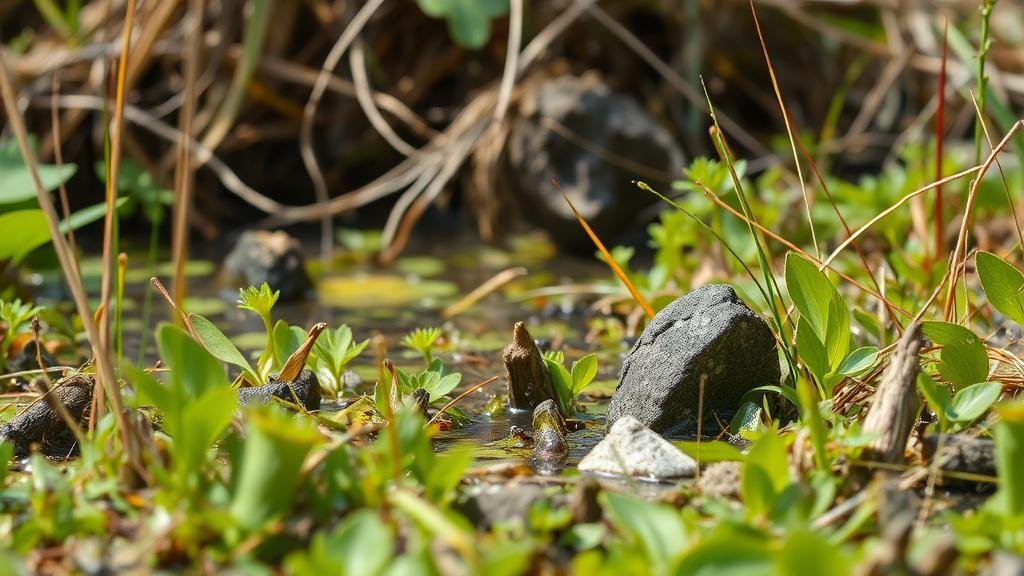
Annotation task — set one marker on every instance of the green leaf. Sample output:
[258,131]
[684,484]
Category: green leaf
[269,474]
[963,360]
[16,184]
[657,528]
[561,381]
[1003,284]
[765,474]
[193,370]
[469,21]
[24,231]
[859,360]
[714,451]
[970,403]
[583,372]
[286,341]
[221,347]
[810,291]
[808,553]
[936,396]
[811,350]
[361,544]
[731,554]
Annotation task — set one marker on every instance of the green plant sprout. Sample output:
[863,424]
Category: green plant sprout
[423,340]
[570,384]
[261,301]
[332,352]
[434,379]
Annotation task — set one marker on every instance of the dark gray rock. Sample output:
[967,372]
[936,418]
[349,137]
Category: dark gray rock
[594,142]
[708,333]
[273,257]
[306,386]
[962,453]
[42,427]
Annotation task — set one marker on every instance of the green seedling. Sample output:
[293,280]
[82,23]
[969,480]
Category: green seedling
[423,340]
[569,385]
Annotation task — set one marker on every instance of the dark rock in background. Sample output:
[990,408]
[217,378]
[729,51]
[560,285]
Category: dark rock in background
[273,257]
[594,142]
[709,332]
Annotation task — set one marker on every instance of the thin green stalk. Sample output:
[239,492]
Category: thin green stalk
[983,47]
[147,298]
[122,267]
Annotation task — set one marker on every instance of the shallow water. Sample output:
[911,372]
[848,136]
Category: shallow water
[392,301]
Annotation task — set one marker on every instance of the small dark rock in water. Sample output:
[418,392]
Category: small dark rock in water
[707,333]
[306,386]
[421,398]
[26,358]
[544,145]
[43,427]
[962,453]
[273,257]
[548,431]
[528,380]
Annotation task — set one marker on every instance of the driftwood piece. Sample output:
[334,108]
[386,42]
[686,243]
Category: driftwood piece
[41,426]
[528,380]
[895,405]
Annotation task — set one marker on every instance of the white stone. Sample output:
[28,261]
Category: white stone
[632,449]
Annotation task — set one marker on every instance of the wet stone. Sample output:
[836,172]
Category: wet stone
[42,427]
[632,449]
[306,386]
[707,334]
[962,453]
[549,431]
[273,257]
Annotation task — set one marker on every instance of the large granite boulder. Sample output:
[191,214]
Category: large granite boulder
[594,142]
[709,333]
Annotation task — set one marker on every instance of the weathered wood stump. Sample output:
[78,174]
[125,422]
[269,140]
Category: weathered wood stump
[528,380]
[895,405]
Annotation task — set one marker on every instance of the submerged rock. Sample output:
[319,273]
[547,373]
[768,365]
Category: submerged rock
[307,389]
[565,125]
[273,257]
[42,427]
[707,334]
[632,449]
[549,431]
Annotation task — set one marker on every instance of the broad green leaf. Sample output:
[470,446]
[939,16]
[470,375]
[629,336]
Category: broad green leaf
[202,421]
[561,381]
[361,544]
[733,553]
[837,332]
[269,474]
[811,292]
[583,372]
[858,361]
[16,184]
[714,451]
[443,385]
[963,360]
[1003,284]
[936,395]
[221,346]
[193,370]
[286,341]
[657,528]
[469,21]
[970,403]
[811,350]
[765,473]
[24,231]
[807,553]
